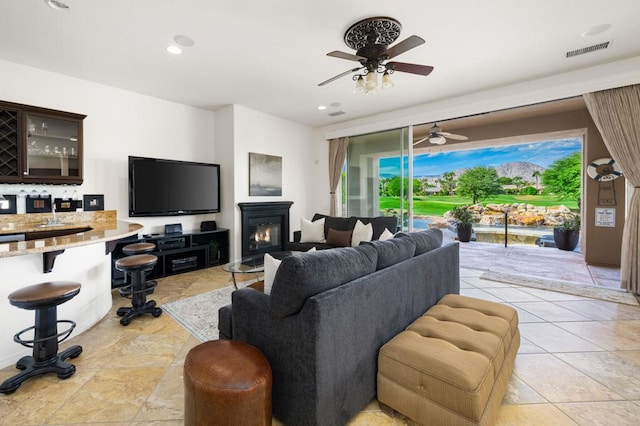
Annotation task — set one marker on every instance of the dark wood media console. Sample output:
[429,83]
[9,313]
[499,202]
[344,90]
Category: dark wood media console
[178,253]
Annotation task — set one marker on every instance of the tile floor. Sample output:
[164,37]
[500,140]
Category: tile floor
[579,364]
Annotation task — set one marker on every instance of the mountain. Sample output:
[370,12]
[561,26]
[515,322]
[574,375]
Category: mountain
[523,169]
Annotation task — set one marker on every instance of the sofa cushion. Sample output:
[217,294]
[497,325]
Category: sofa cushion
[303,276]
[312,231]
[339,238]
[425,240]
[392,251]
[361,232]
[381,223]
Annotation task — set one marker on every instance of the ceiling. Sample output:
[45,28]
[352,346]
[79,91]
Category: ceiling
[458,125]
[270,55]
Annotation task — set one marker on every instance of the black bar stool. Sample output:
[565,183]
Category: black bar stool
[133,249]
[137,265]
[44,299]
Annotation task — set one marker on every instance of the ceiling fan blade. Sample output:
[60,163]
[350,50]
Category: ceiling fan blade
[344,55]
[339,76]
[420,141]
[453,136]
[406,44]
[411,68]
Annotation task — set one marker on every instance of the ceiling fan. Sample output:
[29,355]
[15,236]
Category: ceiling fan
[438,137]
[370,38]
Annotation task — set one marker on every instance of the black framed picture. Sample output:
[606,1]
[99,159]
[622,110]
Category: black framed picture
[67,205]
[38,204]
[93,202]
[8,204]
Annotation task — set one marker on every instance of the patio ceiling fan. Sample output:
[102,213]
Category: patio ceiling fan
[438,137]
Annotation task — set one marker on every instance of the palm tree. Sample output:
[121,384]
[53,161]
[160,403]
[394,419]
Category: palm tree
[536,175]
[519,182]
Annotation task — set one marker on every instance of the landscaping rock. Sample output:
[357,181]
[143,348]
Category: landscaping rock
[521,214]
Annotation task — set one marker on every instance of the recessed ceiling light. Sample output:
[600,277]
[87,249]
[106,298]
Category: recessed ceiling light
[335,104]
[184,40]
[598,29]
[174,49]
[56,5]
[322,107]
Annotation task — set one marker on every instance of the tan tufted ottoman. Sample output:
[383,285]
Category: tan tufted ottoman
[226,382]
[452,365]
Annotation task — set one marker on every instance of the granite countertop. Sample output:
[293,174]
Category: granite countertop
[102,225]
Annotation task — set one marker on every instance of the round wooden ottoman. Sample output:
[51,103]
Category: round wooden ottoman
[226,382]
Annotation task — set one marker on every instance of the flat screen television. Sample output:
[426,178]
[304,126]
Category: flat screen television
[169,187]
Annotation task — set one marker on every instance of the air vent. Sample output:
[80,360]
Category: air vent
[335,114]
[589,49]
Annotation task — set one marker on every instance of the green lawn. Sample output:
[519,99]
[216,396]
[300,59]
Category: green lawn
[437,205]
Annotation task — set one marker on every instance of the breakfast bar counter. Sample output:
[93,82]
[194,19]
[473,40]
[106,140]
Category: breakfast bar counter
[80,243]
[73,229]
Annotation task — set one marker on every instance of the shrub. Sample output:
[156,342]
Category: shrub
[571,222]
[462,214]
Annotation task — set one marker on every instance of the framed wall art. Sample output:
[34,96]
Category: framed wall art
[265,175]
[93,202]
[8,204]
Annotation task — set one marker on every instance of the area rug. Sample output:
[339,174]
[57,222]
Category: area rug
[199,314]
[601,293]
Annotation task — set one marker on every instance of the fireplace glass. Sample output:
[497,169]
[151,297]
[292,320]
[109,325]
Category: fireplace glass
[264,236]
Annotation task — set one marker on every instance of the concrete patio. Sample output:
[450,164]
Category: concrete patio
[533,261]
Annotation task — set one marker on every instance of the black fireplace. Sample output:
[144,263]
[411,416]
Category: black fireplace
[265,227]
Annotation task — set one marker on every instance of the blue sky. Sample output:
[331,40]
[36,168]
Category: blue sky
[540,153]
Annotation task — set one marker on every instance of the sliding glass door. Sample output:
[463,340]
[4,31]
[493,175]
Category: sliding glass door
[377,175]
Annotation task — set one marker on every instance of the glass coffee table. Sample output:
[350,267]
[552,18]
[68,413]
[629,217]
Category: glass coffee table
[252,265]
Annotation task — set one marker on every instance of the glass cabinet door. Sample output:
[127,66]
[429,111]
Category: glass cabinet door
[53,148]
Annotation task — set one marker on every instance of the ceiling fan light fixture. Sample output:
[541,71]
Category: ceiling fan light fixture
[386,81]
[371,81]
[359,85]
[437,140]
[371,38]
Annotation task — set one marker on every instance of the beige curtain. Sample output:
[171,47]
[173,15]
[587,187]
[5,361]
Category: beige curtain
[616,113]
[337,154]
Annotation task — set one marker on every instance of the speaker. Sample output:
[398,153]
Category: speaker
[174,228]
[208,225]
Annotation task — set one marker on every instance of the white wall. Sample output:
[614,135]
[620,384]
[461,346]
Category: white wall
[254,131]
[118,124]
[224,144]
